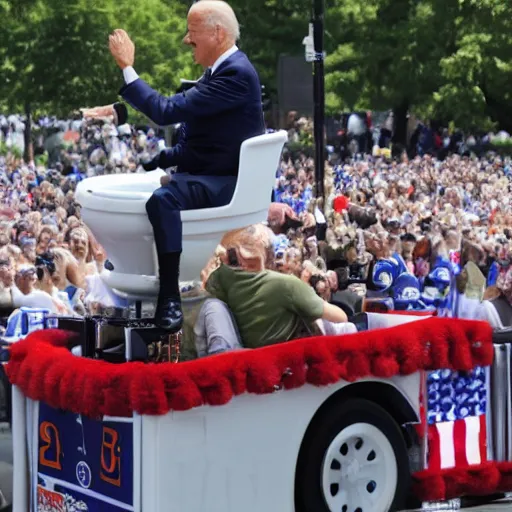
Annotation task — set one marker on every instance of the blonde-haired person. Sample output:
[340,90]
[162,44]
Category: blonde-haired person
[290,262]
[34,219]
[13,252]
[46,235]
[268,307]
[69,277]
[67,271]
[7,274]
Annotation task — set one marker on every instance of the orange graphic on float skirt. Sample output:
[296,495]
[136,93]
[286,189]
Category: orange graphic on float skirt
[50,447]
[50,501]
[111,457]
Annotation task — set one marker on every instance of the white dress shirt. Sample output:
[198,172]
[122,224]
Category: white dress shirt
[130,75]
[224,57]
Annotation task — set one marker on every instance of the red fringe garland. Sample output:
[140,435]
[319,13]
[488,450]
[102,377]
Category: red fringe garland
[45,370]
[481,480]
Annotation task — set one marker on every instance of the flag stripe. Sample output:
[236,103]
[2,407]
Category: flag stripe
[446,444]
[482,438]
[461,437]
[434,452]
[473,440]
[457,443]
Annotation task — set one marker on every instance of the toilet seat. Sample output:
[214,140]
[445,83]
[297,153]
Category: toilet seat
[114,209]
[120,193]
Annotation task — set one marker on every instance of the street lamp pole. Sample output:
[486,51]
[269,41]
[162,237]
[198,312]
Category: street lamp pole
[319,96]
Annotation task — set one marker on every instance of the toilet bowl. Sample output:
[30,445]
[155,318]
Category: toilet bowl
[114,209]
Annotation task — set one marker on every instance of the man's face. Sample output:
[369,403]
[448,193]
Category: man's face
[44,239]
[323,290]
[29,251]
[25,279]
[61,214]
[6,273]
[78,245]
[203,39]
[332,277]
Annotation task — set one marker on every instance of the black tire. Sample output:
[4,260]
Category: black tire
[309,496]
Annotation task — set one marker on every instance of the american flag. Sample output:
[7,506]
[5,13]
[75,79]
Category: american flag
[456,416]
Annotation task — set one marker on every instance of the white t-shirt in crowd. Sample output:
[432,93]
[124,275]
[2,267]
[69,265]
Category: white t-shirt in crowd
[35,299]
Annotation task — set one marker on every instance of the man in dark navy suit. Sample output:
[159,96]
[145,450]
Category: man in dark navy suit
[221,111]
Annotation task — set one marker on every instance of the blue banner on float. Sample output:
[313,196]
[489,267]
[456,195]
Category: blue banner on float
[83,464]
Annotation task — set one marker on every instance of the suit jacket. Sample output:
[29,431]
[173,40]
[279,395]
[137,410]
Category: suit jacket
[220,112]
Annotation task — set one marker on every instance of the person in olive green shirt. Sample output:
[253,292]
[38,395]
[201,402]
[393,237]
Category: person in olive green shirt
[268,307]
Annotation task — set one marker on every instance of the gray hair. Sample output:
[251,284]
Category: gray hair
[219,13]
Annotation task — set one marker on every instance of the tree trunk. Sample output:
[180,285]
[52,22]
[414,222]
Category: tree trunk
[400,133]
[29,147]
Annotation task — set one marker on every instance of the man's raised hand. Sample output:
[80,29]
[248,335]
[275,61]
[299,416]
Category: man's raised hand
[104,112]
[116,112]
[122,48]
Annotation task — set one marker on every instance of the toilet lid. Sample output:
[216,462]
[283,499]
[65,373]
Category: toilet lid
[119,193]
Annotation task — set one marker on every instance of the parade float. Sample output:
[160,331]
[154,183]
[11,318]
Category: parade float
[107,417]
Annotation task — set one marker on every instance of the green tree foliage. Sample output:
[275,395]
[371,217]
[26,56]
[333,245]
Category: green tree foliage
[478,72]
[449,59]
[55,57]
[270,28]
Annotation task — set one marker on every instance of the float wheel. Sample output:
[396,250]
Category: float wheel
[354,460]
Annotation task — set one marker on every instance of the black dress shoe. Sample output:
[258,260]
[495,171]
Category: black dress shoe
[151,165]
[168,314]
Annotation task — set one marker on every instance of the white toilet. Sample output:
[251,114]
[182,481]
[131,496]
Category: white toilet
[114,208]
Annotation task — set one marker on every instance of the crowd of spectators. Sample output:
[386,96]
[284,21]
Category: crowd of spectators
[48,257]
[425,233]
[420,233]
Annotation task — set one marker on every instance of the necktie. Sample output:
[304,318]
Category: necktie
[207,74]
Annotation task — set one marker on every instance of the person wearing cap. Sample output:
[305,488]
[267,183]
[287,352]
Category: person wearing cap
[222,110]
[24,293]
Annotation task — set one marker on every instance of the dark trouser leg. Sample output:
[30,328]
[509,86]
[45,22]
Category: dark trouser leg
[169,274]
[167,228]
[184,192]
